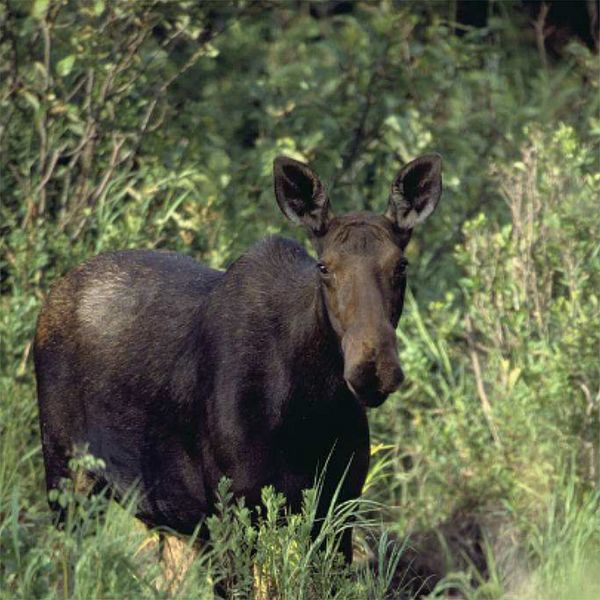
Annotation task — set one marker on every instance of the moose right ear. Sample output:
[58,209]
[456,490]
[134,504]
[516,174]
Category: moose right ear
[415,192]
[301,195]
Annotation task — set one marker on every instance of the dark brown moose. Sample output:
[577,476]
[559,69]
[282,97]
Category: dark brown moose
[176,375]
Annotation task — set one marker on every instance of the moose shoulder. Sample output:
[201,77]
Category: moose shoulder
[176,375]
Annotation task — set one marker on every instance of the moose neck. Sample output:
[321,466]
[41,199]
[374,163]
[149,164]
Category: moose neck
[317,348]
[313,356]
[272,311]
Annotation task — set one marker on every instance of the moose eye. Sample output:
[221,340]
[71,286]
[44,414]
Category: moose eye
[400,272]
[322,268]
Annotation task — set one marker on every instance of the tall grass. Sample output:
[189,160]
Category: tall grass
[102,552]
[485,466]
[498,427]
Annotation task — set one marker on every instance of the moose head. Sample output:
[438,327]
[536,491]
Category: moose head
[361,264]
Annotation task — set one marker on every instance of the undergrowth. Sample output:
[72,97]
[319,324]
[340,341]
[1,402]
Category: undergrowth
[155,125]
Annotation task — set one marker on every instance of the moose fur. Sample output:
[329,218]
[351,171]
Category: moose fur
[176,375]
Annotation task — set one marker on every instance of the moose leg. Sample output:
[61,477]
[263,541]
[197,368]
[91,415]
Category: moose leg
[56,463]
[176,557]
[346,545]
[61,415]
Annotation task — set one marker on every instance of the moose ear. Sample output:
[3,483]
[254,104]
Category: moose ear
[301,195]
[415,192]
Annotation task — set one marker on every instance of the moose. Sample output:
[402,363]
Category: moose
[176,375]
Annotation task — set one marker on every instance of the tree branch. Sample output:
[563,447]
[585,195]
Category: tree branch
[486,407]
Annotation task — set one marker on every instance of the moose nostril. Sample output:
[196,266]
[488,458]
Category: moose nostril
[362,376]
[397,379]
[368,376]
[390,378]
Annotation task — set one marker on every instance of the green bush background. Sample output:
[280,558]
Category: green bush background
[154,124]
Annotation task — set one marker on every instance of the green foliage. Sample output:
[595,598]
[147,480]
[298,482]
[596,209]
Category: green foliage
[504,377]
[514,358]
[154,124]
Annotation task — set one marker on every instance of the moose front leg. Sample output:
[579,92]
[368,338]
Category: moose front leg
[176,556]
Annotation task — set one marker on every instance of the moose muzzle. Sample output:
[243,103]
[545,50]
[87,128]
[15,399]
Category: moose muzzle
[371,367]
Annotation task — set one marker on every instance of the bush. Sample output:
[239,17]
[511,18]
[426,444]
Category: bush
[155,125]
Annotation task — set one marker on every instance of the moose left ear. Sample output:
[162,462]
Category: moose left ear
[415,192]
[301,195]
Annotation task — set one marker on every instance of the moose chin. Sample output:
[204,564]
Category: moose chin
[177,375]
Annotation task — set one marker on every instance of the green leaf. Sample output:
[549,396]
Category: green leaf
[99,7]
[64,66]
[31,99]
[39,8]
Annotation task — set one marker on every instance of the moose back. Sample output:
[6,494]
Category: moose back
[176,375]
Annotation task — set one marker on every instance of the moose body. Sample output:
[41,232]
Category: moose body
[176,375]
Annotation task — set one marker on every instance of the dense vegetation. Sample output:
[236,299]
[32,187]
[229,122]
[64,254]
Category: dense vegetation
[155,124]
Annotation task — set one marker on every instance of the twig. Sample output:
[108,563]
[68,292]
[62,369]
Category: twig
[207,37]
[540,37]
[51,166]
[353,150]
[43,123]
[114,161]
[485,403]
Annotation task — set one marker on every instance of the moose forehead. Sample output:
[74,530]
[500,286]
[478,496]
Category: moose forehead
[361,235]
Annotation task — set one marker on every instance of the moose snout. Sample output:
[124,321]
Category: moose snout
[372,375]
